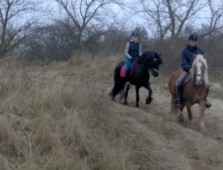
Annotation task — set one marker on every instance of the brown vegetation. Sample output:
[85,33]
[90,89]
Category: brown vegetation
[66,116]
[59,116]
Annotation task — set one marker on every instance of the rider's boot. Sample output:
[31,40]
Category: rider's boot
[178,99]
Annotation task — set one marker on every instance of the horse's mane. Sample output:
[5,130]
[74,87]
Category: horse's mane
[141,58]
[146,54]
[200,58]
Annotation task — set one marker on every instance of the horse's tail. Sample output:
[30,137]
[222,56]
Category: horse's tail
[119,82]
[172,89]
[171,83]
[117,71]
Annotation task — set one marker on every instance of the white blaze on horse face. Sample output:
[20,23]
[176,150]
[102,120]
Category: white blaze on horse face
[199,74]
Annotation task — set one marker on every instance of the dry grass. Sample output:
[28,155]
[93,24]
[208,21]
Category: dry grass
[63,112]
[4,164]
[8,139]
[67,118]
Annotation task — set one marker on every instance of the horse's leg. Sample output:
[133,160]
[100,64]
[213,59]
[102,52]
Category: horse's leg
[189,112]
[137,96]
[126,91]
[149,98]
[118,88]
[180,115]
[114,91]
[121,95]
[111,94]
[202,108]
[173,108]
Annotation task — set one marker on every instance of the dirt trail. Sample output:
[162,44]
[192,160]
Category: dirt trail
[170,144]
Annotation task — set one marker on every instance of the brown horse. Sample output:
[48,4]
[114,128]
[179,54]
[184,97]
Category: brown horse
[195,89]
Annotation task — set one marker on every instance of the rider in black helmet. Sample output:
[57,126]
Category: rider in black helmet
[193,37]
[186,61]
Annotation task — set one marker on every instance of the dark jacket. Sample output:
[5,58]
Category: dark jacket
[133,50]
[187,56]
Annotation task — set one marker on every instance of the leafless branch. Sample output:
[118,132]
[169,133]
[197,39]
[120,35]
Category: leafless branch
[82,12]
[10,10]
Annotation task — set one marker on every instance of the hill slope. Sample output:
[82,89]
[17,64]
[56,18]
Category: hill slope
[61,117]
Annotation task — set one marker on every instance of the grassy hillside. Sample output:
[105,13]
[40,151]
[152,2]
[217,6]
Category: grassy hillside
[59,117]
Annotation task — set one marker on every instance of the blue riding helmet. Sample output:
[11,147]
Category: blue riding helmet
[134,34]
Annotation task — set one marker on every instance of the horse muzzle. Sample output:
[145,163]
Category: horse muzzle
[155,72]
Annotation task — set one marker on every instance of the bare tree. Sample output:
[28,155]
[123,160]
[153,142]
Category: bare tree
[13,27]
[84,12]
[153,13]
[171,16]
[215,17]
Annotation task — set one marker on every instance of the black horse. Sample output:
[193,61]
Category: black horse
[148,61]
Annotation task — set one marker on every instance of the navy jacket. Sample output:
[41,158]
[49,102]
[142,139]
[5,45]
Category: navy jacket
[187,56]
[133,50]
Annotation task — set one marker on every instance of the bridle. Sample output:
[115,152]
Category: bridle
[150,69]
[198,77]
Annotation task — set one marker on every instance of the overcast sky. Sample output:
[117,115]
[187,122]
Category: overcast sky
[122,15]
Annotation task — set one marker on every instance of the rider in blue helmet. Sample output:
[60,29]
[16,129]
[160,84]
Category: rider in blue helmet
[186,61]
[132,51]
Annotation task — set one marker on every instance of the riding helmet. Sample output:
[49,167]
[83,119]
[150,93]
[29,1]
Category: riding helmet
[134,34]
[193,37]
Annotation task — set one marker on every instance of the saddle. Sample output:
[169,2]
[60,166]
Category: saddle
[123,70]
[181,87]
[185,80]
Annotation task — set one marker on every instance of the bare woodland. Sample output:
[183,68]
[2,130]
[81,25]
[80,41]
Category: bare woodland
[83,24]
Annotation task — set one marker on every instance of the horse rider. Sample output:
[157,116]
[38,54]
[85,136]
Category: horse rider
[133,50]
[186,62]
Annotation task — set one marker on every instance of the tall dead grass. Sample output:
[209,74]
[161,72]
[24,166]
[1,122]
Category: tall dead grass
[70,123]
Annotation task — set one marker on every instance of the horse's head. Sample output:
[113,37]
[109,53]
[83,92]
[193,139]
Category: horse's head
[199,68]
[152,61]
[156,61]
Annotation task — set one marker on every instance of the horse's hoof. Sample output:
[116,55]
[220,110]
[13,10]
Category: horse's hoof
[125,103]
[180,118]
[148,101]
[137,105]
